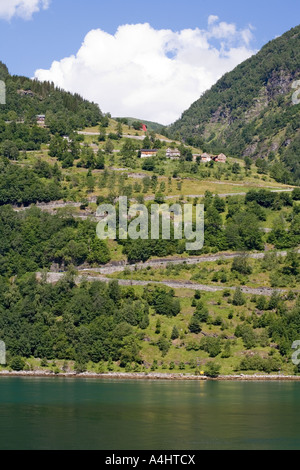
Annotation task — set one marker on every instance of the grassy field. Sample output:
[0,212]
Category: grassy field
[174,178]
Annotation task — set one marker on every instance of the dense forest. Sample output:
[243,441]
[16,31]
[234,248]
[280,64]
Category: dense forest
[31,240]
[91,322]
[29,185]
[250,112]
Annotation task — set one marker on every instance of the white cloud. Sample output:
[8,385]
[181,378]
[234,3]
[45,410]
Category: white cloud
[212,19]
[21,8]
[150,74]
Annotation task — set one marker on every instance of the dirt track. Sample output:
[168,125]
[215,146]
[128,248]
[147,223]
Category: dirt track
[112,268]
[98,274]
[55,277]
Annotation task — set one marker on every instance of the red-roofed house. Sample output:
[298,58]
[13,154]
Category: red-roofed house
[146,153]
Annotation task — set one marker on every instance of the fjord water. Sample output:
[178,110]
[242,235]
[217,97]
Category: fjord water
[88,414]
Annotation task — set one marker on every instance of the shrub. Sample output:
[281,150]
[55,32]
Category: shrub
[212,370]
[17,364]
[175,333]
[238,299]
[195,325]
[211,345]
[268,365]
[240,264]
[247,334]
[163,345]
[80,367]
[44,363]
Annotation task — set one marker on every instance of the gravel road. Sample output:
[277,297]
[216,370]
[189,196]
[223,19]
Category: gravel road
[55,277]
[162,263]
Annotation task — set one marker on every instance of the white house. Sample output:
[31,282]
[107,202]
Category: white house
[206,158]
[40,119]
[146,153]
[173,153]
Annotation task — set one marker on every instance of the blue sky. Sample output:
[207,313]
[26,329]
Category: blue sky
[58,31]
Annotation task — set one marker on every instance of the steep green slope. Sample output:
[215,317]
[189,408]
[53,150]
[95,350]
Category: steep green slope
[250,112]
[19,133]
[152,126]
[27,98]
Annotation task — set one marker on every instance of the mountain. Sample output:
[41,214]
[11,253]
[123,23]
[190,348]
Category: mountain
[26,98]
[250,112]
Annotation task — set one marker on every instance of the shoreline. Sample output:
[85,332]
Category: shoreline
[150,376]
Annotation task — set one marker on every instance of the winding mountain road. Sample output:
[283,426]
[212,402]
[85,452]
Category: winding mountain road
[116,267]
[50,206]
[56,277]
[98,274]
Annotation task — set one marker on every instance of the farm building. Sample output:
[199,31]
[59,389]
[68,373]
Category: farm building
[40,119]
[173,153]
[206,158]
[146,153]
[220,158]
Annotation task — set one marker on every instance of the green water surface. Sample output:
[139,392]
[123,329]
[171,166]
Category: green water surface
[148,415]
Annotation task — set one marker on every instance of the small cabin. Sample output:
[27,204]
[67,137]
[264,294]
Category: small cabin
[41,119]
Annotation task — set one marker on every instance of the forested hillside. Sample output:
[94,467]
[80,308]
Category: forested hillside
[20,133]
[25,99]
[64,308]
[249,112]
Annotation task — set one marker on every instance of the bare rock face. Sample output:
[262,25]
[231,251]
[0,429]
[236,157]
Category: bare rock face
[250,150]
[279,83]
[220,114]
[26,93]
[55,268]
[260,103]
[274,146]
